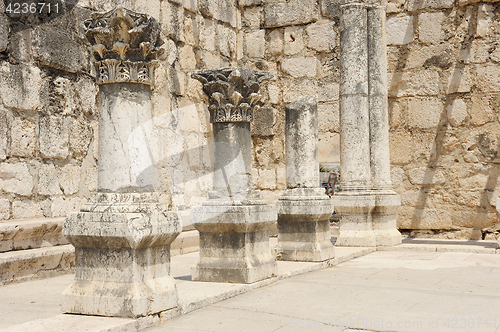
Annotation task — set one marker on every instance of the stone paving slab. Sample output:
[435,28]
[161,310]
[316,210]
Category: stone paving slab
[444,245]
[382,291]
[35,305]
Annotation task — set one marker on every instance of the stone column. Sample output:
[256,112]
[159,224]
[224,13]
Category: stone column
[366,203]
[122,236]
[304,209]
[234,222]
[354,203]
[386,200]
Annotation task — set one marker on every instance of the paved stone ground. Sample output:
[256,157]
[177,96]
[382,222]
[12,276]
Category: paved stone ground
[383,291]
[421,285]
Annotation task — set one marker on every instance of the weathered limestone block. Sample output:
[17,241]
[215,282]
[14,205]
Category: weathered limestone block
[321,36]
[56,49]
[429,27]
[304,209]
[275,46]
[23,138]
[294,12]
[264,121]
[26,210]
[294,40]
[399,30]
[255,44]
[16,179]
[54,137]
[234,222]
[300,67]
[122,237]
[457,112]
[434,4]
[48,180]
[20,86]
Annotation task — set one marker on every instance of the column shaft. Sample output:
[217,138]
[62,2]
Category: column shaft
[302,169]
[354,113]
[232,157]
[379,118]
[125,163]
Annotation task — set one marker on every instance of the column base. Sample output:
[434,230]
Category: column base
[122,248]
[368,219]
[304,226]
[234,242]
[355,210]
[384,217]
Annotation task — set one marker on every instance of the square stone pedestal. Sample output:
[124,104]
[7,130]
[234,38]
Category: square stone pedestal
[304,226]
[384,221]
[234,242]
[122,244]
[368,219]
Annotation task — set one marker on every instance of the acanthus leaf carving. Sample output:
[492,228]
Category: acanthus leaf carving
[232,93]
[125,45]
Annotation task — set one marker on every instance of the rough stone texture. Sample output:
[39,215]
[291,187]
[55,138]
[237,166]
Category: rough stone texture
[54,137]
[294,40]
[300,67]
[4,29]
[425,113]
[26,210]
[16,178]
[255,43]
[264,121]
[290,13]
[321,36]
[20,86]
[48,180]
[457,112]
[429,27]
[56,49]
[30,234]
[4,210]
[23,138]
[399,30]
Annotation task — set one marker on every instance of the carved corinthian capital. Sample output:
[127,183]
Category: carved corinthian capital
[125,46]
[231,93]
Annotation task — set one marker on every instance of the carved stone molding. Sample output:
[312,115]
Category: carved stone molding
[115,71]
[125,46]
[231,93]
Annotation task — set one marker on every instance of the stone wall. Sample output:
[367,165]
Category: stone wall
[444,99]
[297,41]
[444,92]
[48,110]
